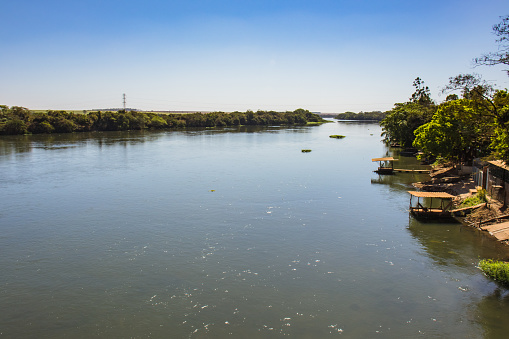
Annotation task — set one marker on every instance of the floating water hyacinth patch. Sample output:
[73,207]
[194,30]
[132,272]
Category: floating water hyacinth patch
[306,150]
[498,270]
[336,136]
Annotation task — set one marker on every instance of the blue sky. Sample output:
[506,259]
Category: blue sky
[211,55]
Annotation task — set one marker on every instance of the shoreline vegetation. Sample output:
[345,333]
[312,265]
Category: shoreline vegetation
[363,116]
[19,120]
[472,123]
[497,270]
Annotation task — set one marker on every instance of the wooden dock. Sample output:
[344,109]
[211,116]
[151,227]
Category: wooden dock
[429,212]
[403,170]
[499,231]
[466,210]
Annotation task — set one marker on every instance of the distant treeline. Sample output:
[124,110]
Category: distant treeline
[19,120]
[375,115]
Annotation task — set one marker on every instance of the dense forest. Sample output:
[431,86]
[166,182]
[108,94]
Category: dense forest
[373,116]
[473,121]
[19,120]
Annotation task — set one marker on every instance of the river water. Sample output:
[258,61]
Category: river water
[230,232]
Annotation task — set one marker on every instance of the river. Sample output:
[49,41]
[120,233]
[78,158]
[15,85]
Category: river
[230,232]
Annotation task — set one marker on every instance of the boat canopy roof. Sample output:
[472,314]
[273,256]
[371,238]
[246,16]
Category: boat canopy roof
[441,195]
[384,159]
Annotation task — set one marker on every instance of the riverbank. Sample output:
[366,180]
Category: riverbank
[19,120]
[447,178]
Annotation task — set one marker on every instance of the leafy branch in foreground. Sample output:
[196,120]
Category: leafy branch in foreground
[502,55]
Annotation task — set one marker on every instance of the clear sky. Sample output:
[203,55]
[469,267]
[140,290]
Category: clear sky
[322,55]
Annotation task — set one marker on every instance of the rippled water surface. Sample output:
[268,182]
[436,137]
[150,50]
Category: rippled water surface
[230,232]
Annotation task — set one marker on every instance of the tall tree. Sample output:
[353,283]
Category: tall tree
[473,87]
[422,94]
[465,128]
[400,123]
[457,131]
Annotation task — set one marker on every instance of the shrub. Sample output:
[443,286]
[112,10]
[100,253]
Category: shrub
[41,127]
[497,270]
[63,125]
[15,126]
[477,199]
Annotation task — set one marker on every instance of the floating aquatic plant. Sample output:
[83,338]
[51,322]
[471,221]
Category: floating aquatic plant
[498,270]
[306,150]
[336,136]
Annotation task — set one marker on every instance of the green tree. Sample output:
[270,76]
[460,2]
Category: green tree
[457,131]
[476,125]
[20,112]
[157,122]
[485,98]
[15,126]
[422,94]
[400,123]
[63,125]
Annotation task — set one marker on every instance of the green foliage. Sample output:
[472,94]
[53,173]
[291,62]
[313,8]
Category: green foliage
[306,150]
[479,198]
[19,120]
[497,270]
[439,161]
[13,120]
[400,123]
[475,126]
[336,136]
[15,126]
[457,131]
[63,125]
[375,115]
[157,122]
[452,97]
[422,95]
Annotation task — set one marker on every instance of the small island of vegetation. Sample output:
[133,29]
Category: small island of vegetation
[20,120]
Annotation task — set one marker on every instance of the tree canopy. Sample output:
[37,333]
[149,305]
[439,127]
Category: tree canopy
[473,121]
[477,125]
[374,115]
[399,124]
[19,120]
[457,131]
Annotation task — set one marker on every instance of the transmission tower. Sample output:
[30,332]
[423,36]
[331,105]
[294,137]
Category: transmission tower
[123,97]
